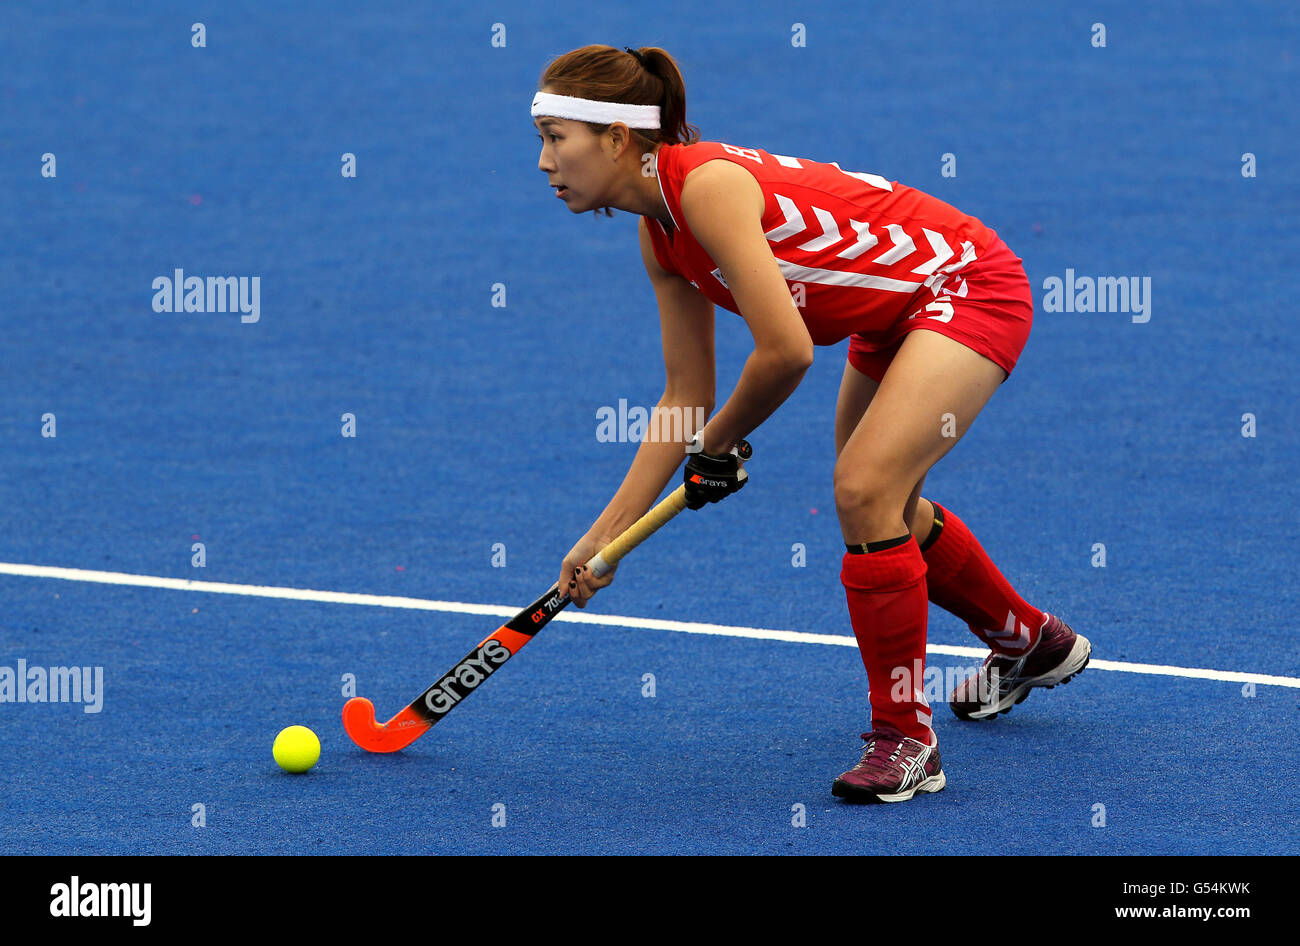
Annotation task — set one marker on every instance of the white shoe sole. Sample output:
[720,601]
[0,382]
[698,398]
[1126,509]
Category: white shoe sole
[934,783]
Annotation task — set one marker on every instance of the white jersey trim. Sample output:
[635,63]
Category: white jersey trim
[832,277]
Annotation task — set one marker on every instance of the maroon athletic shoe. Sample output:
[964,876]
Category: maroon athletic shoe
[1002,682]
[894,767]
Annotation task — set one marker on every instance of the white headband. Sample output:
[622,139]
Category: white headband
[589,110]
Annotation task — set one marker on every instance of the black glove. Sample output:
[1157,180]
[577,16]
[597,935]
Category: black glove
[710,478]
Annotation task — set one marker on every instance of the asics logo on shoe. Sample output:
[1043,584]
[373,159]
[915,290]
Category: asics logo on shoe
[913,770]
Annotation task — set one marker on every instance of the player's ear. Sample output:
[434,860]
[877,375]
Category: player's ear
[621,138]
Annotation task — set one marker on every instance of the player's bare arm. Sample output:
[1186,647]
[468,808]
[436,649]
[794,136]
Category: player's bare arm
[686,319]
[723,205]
[686,324]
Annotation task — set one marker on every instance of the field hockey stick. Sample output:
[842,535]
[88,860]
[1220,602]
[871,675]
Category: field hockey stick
[499,646]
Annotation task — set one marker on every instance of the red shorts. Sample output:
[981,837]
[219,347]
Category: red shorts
[989,311]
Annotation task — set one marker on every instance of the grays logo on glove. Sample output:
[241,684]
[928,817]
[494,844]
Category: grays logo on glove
[710,478]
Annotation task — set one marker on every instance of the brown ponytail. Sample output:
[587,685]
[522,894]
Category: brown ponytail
[608,74]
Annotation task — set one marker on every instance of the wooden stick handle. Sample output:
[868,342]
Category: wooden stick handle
[603,561]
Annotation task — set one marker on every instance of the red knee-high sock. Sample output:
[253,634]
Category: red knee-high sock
[961,578]
[888,608]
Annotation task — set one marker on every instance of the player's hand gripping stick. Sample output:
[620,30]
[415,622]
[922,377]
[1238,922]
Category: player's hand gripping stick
[709,478]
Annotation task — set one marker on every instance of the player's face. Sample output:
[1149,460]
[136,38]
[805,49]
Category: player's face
[572,159]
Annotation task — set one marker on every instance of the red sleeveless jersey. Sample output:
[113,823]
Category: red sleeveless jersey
[867,251]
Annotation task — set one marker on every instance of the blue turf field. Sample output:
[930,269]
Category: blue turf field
[476,426]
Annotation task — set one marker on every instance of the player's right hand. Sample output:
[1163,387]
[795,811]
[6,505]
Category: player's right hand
[575,578]
[710,478]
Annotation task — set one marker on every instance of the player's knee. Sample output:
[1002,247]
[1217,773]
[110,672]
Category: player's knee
[866,492]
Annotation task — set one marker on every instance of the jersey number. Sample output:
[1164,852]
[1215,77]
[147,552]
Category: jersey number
[942,308]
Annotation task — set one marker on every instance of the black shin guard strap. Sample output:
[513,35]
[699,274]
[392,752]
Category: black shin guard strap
[862,548]
[935,529]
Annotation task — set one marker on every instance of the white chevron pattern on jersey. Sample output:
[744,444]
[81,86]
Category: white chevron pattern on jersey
[830,232]
[865,241]
[793,220]
[902,246]
[942,253]
[940,276]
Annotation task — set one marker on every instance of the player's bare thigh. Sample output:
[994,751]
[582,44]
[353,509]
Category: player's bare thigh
[932,391]
[856,392]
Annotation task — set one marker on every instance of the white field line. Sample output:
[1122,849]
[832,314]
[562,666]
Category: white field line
[604,620]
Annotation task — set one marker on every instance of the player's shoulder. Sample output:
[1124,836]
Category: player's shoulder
[716,159]
[720,179]
[720,160]
[717,170]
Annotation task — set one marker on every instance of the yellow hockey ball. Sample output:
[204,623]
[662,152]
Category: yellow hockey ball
[296,749]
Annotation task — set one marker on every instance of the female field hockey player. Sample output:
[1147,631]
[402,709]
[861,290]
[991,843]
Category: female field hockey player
[937,309]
